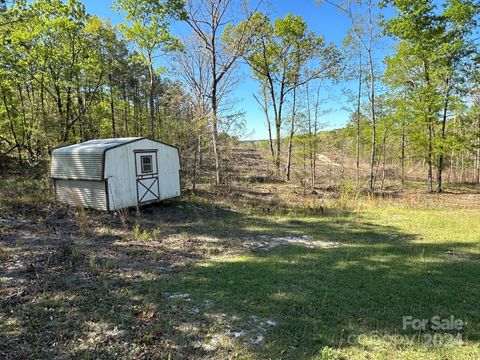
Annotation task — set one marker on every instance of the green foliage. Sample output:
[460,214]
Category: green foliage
[285,57]
[68,76]
[286,48]
[145,235]
[148,23]
[429,71]
[348,195]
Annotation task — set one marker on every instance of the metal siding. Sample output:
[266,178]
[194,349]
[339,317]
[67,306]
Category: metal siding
[90,193]
[85,166]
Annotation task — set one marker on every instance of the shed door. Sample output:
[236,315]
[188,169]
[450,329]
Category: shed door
[146,168]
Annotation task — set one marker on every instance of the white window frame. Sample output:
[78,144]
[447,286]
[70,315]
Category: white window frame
[142,164]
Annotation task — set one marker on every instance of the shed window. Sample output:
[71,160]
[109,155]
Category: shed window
[146,161]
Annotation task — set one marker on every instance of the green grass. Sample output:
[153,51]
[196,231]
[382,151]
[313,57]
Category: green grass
[104,299]
[395,262]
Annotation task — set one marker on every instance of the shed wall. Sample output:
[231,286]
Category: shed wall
[120,171]
[90,193]
[169,172]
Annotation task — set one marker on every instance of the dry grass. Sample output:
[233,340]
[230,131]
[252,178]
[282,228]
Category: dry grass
[123,214]
[188,279]
[79,213]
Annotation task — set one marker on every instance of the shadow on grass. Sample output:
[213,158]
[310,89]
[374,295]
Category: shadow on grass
[320,296]
[288,302]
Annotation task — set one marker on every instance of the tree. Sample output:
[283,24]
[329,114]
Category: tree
[355,71]
[366,32]
[147,26]
[456,53]
[313,113]
[53,57]
[208,21]
[281,61]
[429,63]
[192,66]
[66,76]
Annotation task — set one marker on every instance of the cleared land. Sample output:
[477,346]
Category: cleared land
[259,271]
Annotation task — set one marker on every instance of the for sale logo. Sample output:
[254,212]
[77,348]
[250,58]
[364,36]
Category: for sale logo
[435,323]
[432,332]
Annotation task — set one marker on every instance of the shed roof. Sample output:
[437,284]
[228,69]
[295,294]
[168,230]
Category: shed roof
[85,161]
[97,146]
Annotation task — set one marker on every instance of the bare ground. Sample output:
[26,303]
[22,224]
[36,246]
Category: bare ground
[70,294]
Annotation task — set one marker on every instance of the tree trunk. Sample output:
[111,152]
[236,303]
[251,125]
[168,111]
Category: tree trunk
[12,130]
[311,142]
[269,125]
[112,106]
[216,150]
[264,105]
[292,132]
[429,120]
[125,109]
[442,146]
[278,125]
[304,179]
[151,97]
[384,158]
[195,163]
[430,157]
[462,165]
[30,90]
[403,154]
[478,151]
[68,110]
[81,106]
[23,114]
[315,142]
[374,124]
[59,103]
[357,167]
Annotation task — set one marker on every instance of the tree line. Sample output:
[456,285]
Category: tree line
[68,76]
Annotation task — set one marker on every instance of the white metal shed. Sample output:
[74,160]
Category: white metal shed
[110,174]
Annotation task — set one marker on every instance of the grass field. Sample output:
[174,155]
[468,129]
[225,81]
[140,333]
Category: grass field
[196,278]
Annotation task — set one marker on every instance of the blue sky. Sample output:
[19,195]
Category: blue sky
[324,20]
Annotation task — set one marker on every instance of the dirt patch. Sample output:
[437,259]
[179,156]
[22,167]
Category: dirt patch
[185,297]
[325,160]
[266,242]
[250,331]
